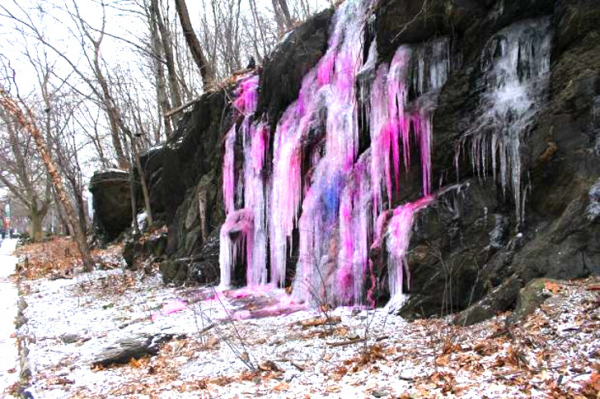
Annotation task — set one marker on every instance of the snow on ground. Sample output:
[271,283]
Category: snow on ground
[219,352]
[8,312]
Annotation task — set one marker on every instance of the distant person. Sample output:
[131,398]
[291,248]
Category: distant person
[251,63]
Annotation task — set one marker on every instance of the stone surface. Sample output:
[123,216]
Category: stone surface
[174,271]
[530,298]
[124,350]
[112,203]
[467,247]
[497,301]
[284,69]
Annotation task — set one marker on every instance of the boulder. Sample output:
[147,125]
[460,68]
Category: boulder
[530,298]
[112,203]
[497,301]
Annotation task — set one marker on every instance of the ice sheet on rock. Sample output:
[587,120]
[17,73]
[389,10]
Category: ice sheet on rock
[515,67]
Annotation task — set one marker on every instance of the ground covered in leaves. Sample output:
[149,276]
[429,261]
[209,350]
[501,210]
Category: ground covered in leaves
[57,258]
[220,349]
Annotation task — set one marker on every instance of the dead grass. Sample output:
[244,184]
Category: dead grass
[59,257]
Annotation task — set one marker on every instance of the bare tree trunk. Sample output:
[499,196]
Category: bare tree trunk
[145,191]
[278,17]
[167,46]
[26,120]
[136,226]
[159,70]
[36,224]
[286,14]
[206,70]
[261,30]
[64,220]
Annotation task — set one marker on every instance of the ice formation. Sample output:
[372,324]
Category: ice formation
[338,201]
[515,69]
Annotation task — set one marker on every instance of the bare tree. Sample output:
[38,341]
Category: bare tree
[21,173]
[25,118]
[206,70]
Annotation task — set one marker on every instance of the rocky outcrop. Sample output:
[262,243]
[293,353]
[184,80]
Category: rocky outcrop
[484,235]
[185,176]
[112,203]
[122,351]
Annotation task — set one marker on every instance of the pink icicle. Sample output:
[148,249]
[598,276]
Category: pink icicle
[241,222]
[399,234]
[422,129]
[260,140]
[229,171]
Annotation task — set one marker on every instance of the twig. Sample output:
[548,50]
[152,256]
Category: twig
[346,343]
[298,366]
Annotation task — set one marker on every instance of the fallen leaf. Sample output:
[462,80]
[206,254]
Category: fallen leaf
[282,386]
[552,287]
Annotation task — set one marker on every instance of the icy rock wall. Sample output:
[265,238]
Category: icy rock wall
[519,138]
[516,68]
[336,204]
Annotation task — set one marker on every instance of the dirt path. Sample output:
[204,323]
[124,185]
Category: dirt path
[8,311]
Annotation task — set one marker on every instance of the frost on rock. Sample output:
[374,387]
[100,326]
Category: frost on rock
[593,210]
[515,66]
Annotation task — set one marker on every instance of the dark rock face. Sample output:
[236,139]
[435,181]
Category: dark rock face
[144,251]
[290,61]
[112,203]
[482,262]
[469,251]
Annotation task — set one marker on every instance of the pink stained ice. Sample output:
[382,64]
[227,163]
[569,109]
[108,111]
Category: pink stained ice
[248,225]
[392,123]
[173,306]
[255,203]
[355,234]
[229,171]
[246,100]
[399,232]
[236,234]
[245,103]
[389,124]
[168,308]
[328,197]
[317,182]
[286,183]
[421,122]
[397,98]
[260,142]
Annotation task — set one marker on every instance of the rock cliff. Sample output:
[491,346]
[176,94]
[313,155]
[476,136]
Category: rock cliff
[444,149]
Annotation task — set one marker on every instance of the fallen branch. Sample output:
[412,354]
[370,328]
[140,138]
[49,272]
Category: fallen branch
[346,343]
[177,110]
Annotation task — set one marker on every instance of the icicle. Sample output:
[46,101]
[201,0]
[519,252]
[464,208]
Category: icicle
[250,221]
[255,202]
[237,223]
[399,233]
[333,79]
[229,171]
[515,65]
